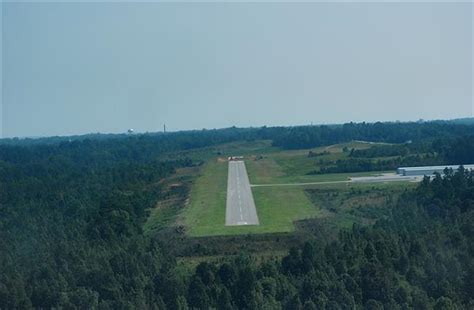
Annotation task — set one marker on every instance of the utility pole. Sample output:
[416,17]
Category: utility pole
[164,128]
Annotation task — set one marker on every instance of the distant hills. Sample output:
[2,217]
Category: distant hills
[468,121]
[463,121]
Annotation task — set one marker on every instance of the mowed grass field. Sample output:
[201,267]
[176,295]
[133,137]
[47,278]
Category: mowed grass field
[205,213]
[277,207]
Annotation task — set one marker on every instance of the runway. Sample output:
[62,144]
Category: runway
[240,208]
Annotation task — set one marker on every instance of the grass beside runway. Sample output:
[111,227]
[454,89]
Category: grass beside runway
[205,213]
[277,208]
[294,166]
[269,171]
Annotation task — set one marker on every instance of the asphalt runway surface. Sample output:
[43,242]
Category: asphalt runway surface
[240,208]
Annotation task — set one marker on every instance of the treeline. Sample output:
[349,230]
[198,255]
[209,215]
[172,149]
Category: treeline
[296,137]
[313,136]
[367,164]
[455,150]
[390,150]
[101,149]
[459,150]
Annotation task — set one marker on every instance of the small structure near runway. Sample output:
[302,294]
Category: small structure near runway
[411,174]
[235,158]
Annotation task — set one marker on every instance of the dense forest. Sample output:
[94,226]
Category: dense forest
[418,258]
[72,212]
[71,226]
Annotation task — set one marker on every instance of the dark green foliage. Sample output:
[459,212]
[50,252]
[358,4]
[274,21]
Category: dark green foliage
[413,259]
[391,150]
[312,136]
[297,137]
[71,237]
[71,225]
[456,151]
[367,164]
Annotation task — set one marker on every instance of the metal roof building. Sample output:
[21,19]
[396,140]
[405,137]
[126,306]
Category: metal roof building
[429,170]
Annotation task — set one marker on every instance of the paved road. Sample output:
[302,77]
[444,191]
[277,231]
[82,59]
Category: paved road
[387,178]
[369,179]
[240,208]
[299,184]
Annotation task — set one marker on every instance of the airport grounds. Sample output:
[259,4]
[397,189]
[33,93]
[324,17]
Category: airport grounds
[289,198]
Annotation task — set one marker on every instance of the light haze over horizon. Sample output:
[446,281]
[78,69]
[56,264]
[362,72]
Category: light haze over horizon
[74,68]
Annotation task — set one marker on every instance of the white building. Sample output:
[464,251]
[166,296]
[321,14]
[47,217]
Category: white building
[429,170]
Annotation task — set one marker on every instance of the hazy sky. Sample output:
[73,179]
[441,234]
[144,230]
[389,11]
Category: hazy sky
[85,67]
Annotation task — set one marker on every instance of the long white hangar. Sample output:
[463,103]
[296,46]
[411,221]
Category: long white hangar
[429,170]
